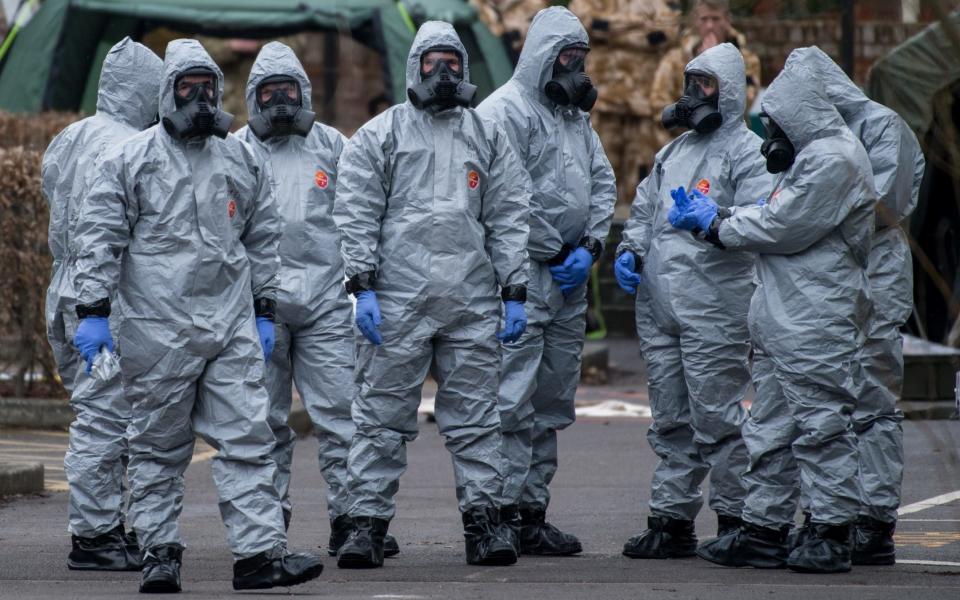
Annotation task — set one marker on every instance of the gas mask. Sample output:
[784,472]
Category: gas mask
[776,147]
[441,87]
[281,115]
[570,85]
[694,110]
[197,115]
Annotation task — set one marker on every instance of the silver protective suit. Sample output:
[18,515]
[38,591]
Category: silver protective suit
[573,197]
[436,203]
[810,311]
[94,465]
[186,233]
[315,347]
[692,304]
[897,162]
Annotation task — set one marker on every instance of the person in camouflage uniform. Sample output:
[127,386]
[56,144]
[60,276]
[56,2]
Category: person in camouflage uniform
[509,20]
[711,26]
[627,40]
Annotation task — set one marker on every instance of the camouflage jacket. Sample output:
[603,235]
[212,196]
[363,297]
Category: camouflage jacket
[627,40]
[668,80]
[509,17]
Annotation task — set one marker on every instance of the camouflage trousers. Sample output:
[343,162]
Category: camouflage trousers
[630,143]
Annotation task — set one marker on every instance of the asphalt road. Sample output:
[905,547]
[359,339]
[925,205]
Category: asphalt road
[600,494]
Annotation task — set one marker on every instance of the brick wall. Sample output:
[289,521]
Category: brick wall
[773,40]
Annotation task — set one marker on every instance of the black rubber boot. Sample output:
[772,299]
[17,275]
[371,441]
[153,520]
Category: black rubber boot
[727,524]
[390,546]
[873,542]
[106,552]
[663,538]
[484,540]
[275,569]
[161,569]
[511,524]
[826,550]
[540,538]
[364,547]
[340,529]
[748,546]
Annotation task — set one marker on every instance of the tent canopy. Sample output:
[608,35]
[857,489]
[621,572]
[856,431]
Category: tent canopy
[55,60]
[908,78]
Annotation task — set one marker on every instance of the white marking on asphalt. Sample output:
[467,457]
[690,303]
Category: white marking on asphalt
[929,503]
[929,563]
[929,520]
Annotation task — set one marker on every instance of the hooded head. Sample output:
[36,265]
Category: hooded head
[798,104]
[130,84]
[435,34]
[552,30]
[198,117]
[278,60]
[725,64]
[843,93]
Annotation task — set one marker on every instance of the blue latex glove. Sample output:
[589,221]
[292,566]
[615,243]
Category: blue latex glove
[625,270]
[92,334]
[701,212]
[514,321]
[368,316]
[268,336]
[762,202]
[574,270]
[681,202]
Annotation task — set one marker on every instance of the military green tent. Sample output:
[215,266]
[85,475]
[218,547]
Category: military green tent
[54,62]
[908,78]
[920,80]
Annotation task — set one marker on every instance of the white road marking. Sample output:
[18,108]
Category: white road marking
[928,520]
[929,503]
[930,563]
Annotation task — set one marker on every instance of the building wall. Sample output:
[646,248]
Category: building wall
[774,39]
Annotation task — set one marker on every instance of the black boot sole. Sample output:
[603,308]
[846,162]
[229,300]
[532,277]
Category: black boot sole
[884,560]
[499,558]
[536,552]
[802,569]
[357,562]
[680,553]
[160,587]
[308,575]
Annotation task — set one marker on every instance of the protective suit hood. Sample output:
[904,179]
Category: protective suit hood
[128,84]
[843,93]
[725,63]
[430,34]
[797,102]
[184,55]
[552,30]
[277,59]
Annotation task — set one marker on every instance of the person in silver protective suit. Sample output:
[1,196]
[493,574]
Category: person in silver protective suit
[691,307]
[898,164]
[808,319]
[544,110]
[181,225]
[432,207]
[314,346]
[95,462]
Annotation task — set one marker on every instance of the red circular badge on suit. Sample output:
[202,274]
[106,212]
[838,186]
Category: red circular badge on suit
[231,208]
[321,180]
[703,186]
[473,180]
